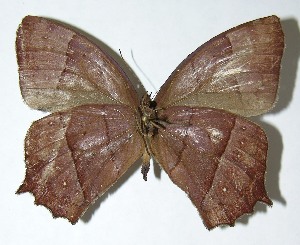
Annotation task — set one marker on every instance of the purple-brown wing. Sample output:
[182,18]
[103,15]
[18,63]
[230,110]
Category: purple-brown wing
[60,69]
[73,157]
[217,158]
[237,71]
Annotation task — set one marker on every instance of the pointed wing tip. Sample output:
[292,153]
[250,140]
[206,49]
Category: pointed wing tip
[70,218]
[210,226]
[73,219]
[231,223]
[19,191]
[266,200]
[22,189]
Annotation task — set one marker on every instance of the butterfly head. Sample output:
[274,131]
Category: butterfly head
[150,123]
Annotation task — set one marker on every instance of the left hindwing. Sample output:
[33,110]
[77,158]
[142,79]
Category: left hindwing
[73,157]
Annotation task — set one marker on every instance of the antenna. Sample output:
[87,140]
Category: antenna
[153,86]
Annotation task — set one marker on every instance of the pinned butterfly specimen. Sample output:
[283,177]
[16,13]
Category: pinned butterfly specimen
[194,128]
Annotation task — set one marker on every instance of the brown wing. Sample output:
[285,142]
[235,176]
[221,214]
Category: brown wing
[236,71]
[73,157]
[217,158]
[60,69]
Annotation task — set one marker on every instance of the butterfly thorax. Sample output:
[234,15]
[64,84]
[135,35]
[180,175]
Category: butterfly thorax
[149,119]
[149,126]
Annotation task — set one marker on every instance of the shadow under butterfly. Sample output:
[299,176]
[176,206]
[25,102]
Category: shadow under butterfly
[194,128]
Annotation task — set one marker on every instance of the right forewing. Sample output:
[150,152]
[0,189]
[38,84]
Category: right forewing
[237,71]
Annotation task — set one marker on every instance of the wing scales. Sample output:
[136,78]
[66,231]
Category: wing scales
[217,158]
[60,69]
[236,71]
[73,157]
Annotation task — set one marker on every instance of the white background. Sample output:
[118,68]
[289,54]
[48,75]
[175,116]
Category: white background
[160,34]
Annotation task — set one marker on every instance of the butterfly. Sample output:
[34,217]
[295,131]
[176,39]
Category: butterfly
[195,128]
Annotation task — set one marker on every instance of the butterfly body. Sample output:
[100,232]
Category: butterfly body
[194,128]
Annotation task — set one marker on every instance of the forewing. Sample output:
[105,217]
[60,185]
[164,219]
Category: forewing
[60,69]
[73,157]
[237,70]
[217,158]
